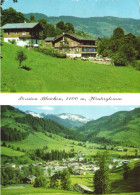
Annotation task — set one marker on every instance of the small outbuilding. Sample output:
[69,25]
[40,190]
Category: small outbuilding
[29,180]
[82,189]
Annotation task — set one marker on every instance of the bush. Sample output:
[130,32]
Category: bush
[40,182]
[50,51]
[13,41]
[136,64]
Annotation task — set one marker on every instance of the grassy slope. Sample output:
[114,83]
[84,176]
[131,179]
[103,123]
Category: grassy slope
[59,143]
[122,127]
[10,152]
[50,74]
[133,181]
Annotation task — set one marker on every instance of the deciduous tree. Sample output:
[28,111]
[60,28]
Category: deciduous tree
[21,57]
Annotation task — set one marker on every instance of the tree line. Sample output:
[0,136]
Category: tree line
[12,16]
[10,175]
[12,134]
[122,49]
[50,155]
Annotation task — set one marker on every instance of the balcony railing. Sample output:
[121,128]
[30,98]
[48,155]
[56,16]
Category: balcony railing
[30,36]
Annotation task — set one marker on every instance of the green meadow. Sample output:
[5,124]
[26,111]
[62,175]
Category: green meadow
[39,141]
[50,74]
[10,152]
[37,191]
[41,191]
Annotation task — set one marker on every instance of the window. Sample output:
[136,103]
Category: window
[15,33]
[23,33]
[84,49]
[9,33]
[93,49]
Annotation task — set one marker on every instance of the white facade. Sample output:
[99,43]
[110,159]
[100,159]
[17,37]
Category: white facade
[10,39]
[74,55]
[23,42]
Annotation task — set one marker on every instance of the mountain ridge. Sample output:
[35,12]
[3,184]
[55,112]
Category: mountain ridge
[95,26]
[66,119]
[22,125]
[121,128]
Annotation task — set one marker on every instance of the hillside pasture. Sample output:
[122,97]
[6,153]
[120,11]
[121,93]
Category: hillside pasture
[50,74]
[10,152]
[40,140]
[36,191]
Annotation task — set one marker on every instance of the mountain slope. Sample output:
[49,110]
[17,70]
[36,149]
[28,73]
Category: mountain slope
[122,128]
[95,26]
[17,126]
[131,184]
[65,119]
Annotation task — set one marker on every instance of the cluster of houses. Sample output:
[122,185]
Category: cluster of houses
[77,165]
[73,45]
[30,34]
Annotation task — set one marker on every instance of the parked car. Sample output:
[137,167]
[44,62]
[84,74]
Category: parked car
[35,45]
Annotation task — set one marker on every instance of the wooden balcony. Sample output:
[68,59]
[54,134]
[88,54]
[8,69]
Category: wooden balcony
[30,37]
[93,46]
[88,52]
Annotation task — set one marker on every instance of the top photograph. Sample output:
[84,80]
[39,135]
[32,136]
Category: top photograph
[70,46]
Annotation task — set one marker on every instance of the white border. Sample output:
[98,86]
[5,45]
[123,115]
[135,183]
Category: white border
[69,99]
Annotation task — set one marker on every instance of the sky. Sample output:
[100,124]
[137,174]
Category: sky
[78,8]
[90,112]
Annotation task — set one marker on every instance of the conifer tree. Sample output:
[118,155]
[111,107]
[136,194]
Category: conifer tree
[101,177]
[65,180]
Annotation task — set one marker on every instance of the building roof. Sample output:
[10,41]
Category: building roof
[49,38]
[75,36]
[82,37]
[83,187]
[19,25]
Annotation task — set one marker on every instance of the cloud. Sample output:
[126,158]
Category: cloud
[115,107]
[46,108]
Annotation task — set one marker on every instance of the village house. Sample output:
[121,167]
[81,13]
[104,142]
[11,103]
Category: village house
[49,41]
[23,33]
[29,180]
[73,45]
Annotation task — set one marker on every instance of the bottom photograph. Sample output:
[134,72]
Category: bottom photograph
[70,150]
